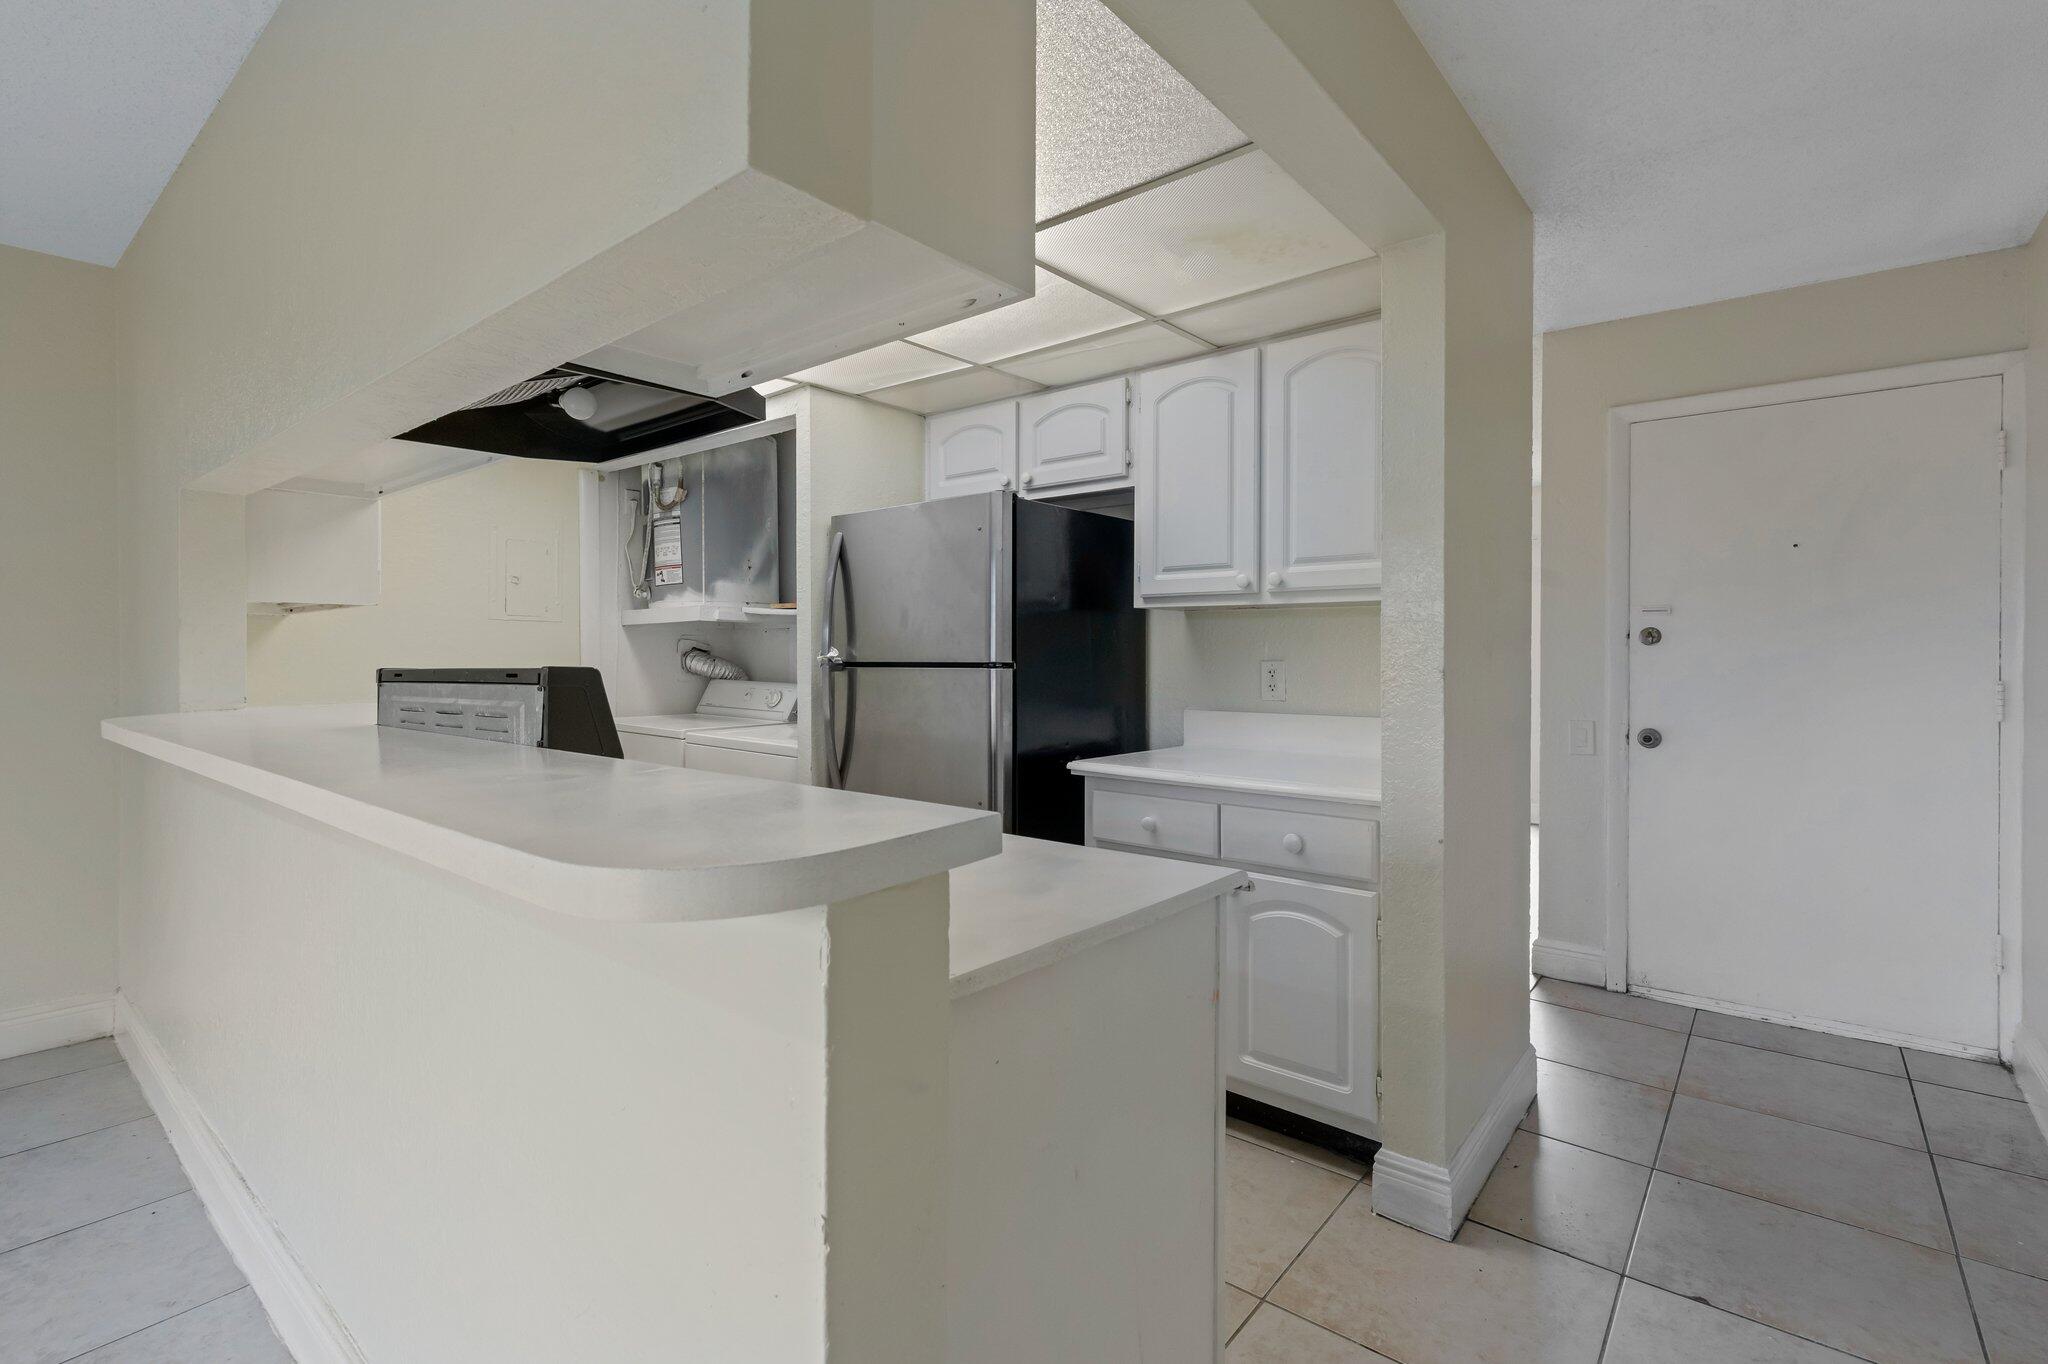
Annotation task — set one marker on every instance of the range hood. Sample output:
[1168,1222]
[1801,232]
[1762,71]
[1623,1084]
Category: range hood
[585,415]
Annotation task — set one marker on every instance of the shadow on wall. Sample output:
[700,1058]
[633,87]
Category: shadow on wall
[1209,659]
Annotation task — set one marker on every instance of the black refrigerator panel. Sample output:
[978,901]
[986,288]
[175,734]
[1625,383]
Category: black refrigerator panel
[1079,647]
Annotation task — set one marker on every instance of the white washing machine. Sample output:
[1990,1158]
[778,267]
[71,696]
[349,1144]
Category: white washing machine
[724,705]
[746,750]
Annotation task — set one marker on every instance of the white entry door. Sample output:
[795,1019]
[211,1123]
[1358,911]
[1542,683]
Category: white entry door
[1815,831]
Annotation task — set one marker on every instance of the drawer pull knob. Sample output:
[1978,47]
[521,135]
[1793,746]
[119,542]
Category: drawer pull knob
[1274,579]
[1292,843]
[1149,824]
[1244,580]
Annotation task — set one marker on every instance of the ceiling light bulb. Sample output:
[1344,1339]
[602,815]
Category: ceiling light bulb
[579,403]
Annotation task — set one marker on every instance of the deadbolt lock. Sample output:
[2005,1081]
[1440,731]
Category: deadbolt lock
[1650,634]
[1649,738]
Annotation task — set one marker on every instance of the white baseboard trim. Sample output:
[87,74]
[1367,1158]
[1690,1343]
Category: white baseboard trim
[38,1027]
[1813,1023]
[2030,1067]
[1435,1198]
[1569,961]
[304,1320]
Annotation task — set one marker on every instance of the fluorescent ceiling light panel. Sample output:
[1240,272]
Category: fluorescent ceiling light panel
[1059,311]
[1227,229]
[892,362]
[1148,343]
[1112,114]
[949,391]
[1345,291]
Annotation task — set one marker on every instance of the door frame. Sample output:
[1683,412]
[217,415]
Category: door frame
[2007,366]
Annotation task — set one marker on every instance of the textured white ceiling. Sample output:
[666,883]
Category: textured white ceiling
[1111,112]
[1679,153]
[99,100]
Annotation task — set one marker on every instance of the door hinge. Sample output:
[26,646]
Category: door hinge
[1998,950]
[2001,446]
[1379,929]
[1379,1086]
[1998,700]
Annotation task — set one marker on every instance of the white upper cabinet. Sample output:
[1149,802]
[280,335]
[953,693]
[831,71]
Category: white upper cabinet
[1073,440]
[1197,479]
[973,450]
[1321,452]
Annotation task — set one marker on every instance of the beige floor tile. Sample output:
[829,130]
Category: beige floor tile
[1568,994]
[1277,1337]
[1953,1071]
[1817,1092]
[2013,1311]
[1814,1046]
[1620,1117]
[1294,1146]
[1887,1300]
[2001,1218]
[43,1065]
[1565,1197]
[1612,1046]
[1235,1306]
[1655,1327]
[1984,1129]
[1485,1298]
[1852,1179]
[1272,1204]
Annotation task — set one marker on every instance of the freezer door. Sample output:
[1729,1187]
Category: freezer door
[926,583]
[936,734]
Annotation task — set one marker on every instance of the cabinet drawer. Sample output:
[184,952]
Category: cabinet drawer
[1180,826]
[1316,845]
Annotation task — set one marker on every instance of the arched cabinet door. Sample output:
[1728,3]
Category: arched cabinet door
[1074,439]
[973,450]
[1321,450]
[1197,446]
[1300,974]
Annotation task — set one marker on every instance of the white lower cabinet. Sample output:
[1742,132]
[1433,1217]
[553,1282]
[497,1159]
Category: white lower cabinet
[1296,1025]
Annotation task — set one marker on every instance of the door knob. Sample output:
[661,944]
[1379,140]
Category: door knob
[1649,738]
[1650,634]
[1292,843]
[1149,825]
[1274,580]
[1244,580]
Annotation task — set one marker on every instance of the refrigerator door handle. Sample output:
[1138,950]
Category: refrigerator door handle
[831,662]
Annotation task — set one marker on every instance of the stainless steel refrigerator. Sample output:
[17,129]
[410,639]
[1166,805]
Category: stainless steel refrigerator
[972,647]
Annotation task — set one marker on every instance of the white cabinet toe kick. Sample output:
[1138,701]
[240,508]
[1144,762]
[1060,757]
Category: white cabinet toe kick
[1300,936]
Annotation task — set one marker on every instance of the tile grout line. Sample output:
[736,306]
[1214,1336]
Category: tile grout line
[1643,1210]
[89,1132]
[1948,1220]
[1296,1259]
[160,1321]
[28,1245]
[62,1074]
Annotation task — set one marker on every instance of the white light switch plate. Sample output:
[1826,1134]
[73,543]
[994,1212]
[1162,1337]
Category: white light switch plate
[1273,680]
[1580,736]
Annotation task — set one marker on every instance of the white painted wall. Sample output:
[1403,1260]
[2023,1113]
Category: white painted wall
[1975,305]
[59,562]
[490,1132]
[1209,660]
[439,592]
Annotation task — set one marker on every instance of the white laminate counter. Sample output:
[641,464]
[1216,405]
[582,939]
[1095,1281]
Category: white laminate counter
[1038,902]
[1307,757]
[593,837]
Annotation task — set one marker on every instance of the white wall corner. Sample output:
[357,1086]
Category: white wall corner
[2030,1068]
[304,1320]
[1434,1198]
[1569,961]
[59,1023]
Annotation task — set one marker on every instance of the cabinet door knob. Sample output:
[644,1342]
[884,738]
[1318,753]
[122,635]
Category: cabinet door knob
[1244,580]
[1292,843]
[1006,481]
[1274,579]
[1149,825]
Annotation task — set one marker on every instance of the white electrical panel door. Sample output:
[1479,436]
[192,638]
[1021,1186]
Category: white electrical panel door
[973,450]
[1075,437]
[1197,479]
[1321,415]
[1300,976]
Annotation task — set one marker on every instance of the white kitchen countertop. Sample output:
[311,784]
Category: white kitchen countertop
[594,837]
[1351,778]
[1038,902]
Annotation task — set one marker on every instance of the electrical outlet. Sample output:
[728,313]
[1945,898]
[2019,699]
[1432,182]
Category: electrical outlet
[1580,736]
[1272,680]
